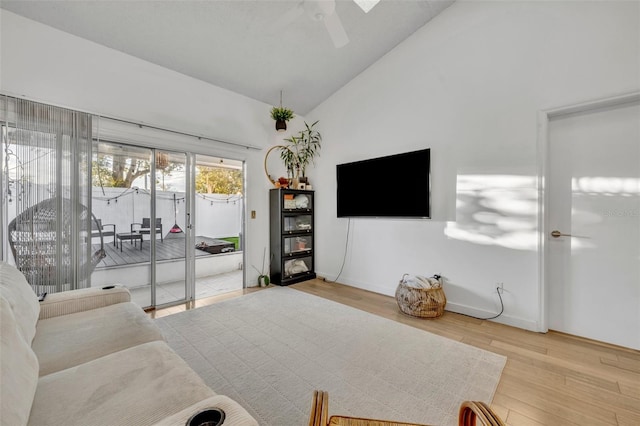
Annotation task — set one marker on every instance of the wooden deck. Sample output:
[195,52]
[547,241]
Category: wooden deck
[172,248]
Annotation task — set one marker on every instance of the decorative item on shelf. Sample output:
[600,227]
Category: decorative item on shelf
[282,182]
[295,266]
[301,243]
[301,201]
[296,155]
[281,115]
[289,201]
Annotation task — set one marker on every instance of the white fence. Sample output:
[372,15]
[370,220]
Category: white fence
[216,215]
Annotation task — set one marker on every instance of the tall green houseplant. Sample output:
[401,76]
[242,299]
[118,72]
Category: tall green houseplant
[301,150]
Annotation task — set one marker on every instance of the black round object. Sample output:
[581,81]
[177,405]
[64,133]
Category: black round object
[208,417]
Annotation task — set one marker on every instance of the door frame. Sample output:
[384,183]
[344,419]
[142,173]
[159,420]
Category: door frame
[189,257]
[544,117]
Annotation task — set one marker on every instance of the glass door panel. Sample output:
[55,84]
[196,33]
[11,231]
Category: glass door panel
[121,203]
[218,209]
[297,223]
[170,236]
[142,202]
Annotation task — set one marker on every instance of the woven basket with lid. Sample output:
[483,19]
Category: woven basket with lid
[421,302]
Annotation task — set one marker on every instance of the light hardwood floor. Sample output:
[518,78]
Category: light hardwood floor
[549,379]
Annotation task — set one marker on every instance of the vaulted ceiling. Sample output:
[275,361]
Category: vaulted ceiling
[256,48]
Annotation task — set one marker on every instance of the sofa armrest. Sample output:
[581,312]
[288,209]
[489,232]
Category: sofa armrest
[70,302]
[235,415]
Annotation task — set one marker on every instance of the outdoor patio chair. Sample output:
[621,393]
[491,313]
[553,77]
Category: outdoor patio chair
[42,254]
[97,228]
[145,227]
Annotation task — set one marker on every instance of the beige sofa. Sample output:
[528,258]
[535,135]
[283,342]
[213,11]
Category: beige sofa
[92,357]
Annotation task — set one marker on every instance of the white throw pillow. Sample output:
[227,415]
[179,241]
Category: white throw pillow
[21,298]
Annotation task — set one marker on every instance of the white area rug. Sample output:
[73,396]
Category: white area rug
[269,350]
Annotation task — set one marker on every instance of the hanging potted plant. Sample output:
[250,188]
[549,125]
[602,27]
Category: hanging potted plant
[281,115]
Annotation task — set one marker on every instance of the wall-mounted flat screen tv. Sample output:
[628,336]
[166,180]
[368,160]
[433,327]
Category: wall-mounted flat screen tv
[393,186]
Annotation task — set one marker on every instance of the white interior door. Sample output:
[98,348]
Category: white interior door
[593,267]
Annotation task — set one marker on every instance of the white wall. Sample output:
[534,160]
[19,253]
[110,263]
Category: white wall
[43,64]
[469,85]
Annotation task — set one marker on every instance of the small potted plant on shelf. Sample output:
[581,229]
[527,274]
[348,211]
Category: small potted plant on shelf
[281,115]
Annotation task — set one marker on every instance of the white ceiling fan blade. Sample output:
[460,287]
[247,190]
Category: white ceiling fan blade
[286,19]
[366,5]
[336,30]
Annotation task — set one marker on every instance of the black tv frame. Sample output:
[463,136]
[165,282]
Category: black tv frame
[397,178]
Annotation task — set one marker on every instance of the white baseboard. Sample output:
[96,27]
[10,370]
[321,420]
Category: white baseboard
[353,283]
[502,319]
[451,306]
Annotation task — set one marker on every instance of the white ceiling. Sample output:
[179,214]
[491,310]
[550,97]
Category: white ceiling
[241,45]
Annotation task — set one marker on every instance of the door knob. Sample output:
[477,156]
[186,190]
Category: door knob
[558,234]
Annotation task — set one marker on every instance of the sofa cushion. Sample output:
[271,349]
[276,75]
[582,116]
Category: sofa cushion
[18,370]
[22,299]
[69,340]
[137,386]
[82,299]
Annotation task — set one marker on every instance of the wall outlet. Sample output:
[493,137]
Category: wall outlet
[500,288]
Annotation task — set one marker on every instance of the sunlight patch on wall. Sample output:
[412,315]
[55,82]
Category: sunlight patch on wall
[607,186]
[499,210]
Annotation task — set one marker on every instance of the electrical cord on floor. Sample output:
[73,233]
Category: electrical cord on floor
[344,257]
[495,316]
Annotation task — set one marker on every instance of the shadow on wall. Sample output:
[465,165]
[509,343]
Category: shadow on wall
[502,210]
[499,210]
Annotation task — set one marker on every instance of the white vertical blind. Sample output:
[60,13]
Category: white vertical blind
[46,193]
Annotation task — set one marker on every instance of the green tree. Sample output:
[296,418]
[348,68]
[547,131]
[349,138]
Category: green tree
[218,180]
[120,171]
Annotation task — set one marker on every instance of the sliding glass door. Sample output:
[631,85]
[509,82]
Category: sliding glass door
[142,210]
[90,201]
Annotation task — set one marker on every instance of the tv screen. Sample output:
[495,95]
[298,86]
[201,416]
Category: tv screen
[393,186]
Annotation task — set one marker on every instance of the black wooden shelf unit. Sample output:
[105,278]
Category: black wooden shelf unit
[291,236]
